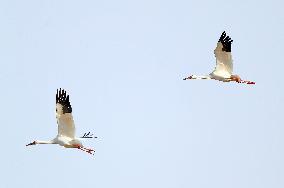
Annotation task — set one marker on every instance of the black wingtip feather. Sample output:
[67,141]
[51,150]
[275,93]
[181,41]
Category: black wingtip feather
[226,42]
[63,99]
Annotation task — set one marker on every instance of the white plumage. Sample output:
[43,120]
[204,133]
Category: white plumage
[224,63]
[66,127]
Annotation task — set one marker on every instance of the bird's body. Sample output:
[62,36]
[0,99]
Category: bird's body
[66,127]
[67,142]
[224,63]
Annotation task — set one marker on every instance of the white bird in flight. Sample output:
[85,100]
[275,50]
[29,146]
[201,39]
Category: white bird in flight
[66,127]
[224,63]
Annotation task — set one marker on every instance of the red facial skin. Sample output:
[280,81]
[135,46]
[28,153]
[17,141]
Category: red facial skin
[190,77]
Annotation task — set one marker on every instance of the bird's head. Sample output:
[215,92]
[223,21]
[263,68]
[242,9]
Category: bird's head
[192,77]
[32,143]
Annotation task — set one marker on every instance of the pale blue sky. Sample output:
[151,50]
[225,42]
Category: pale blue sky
[122,63]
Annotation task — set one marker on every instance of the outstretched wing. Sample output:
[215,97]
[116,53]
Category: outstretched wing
[224,61]
[66,126]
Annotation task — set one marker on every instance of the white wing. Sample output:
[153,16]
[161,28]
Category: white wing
[66,126]
[224,61]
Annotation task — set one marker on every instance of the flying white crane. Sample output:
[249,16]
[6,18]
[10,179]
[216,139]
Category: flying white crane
[224,63]
[66,127]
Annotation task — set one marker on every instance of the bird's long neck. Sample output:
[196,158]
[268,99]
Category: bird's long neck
[201,77]
[45,142]
[197,77]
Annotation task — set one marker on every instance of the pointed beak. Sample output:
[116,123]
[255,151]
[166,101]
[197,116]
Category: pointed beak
[32,143]
[190,77]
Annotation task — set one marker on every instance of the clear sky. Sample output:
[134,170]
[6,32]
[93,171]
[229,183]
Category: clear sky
[122,62]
